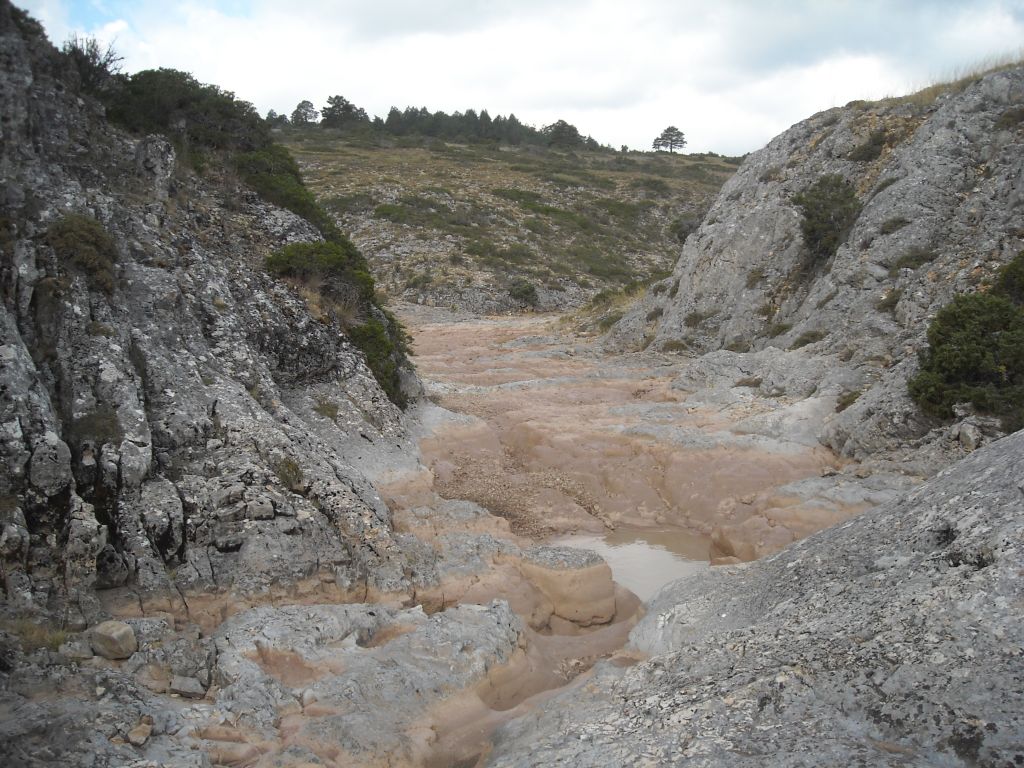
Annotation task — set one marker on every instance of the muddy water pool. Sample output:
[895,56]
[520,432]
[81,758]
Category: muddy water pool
[645,560]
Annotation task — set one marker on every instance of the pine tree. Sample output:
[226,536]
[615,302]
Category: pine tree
[671,139]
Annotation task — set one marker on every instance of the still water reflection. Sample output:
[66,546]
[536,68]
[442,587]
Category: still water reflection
[643,560]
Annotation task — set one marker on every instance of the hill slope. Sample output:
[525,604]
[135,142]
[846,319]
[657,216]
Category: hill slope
[463,224]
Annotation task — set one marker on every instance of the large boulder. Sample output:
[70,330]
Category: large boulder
[113,640]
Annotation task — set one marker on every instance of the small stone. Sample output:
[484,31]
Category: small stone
[76,650]
[188,687]
[969,436]
[213,444]
[139,735]
[229,495]
[113,640]
[260,509]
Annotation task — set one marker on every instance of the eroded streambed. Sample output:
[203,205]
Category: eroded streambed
[536,498]
[569,446]
[543,429]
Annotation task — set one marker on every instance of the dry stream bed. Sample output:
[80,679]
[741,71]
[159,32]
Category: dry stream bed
[552,488]
[567,446]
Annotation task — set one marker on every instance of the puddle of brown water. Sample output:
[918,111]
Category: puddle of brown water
[644,560]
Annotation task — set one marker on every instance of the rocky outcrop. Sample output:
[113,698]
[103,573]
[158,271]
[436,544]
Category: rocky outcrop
[172,421]
[892,639]
[940,195]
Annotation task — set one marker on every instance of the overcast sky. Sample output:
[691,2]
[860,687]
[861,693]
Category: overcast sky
[729,73]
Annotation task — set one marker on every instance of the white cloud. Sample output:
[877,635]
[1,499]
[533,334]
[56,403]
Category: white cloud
[730,74]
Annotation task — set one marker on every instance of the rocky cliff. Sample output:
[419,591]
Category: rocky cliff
[936,190]
[173,420]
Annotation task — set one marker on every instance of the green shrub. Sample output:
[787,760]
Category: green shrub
[275,176]
[609,320]
[35,635]
[683,226]
[419,280]
[1010,281]
[517,195]
[651,184]
[892,225]
[619,209]
[975,355]
[754,277]
[82,242]
[693,319]
[888,302]
[871,148]
[97,67]
[353,203]
[383,355]
[846,399]
[338,272]
[829,207]
[334,268]
[738,345]
[290,474]
[675,345]
[654,314]
[96,328]
[915,257]
[191,114]
[826,298]
[808,337]
[777,329]
[524,292]
[884,184]
[1010,119]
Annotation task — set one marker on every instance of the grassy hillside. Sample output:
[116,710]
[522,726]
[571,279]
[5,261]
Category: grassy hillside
[492,228]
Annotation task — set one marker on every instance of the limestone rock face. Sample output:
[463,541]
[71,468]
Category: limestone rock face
[941,190]
[162,438]
[891,639]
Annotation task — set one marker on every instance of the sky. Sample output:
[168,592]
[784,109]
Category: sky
[730,74]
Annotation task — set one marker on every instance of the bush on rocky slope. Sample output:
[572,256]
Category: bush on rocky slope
[829,208]
[337,273]
[976,353]
[82,242]
[193,115]
[272,172]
